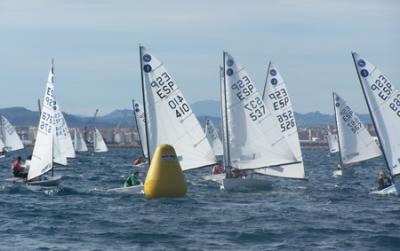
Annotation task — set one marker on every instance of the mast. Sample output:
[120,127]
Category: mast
[144,105]
[337,128]
[137,126]
[225,119]
[372,116]
[266,80]
[52,80]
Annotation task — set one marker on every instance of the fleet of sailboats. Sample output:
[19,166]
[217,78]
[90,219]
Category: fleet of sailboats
[258,130]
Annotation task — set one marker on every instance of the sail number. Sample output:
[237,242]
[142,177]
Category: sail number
[352,122]
[46,122]
[256,108]
[383,87]
[9,128]
[280,99]
[243,87]
[179,105]
[163,85]
[395,105]
[286,120]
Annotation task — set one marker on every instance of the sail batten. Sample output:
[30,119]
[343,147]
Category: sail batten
[169,117]
[383,101]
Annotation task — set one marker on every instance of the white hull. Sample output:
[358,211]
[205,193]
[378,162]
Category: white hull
[142,165]
[337,173]
[46,181]
[215,177]
[391,190]
[238,185]
[131,189]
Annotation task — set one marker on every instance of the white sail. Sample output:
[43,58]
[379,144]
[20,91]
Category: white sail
[277,99]
[42,156]
[355,142]
[170,120]
[11,140]
[79,142]
[213,138]
[63,142]
[253,135]
[332,142]
[98,142]
[2,146]
[383,101]
[141,126]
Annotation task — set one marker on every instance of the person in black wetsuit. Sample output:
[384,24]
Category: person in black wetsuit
[383,180]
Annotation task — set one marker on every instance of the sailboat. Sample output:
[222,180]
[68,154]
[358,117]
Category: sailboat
[354,141]
[9,139]
[140,125]
[332,141]
[251,135]
[44,152]
[169,117]
[98,142]
[276,97]
[213,137]
[383,102]
[79,142]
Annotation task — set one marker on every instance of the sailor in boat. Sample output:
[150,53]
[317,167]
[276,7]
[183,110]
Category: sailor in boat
[139,160]
[133,180]
[217,169]
[27,164]
[383,180]
[18,169]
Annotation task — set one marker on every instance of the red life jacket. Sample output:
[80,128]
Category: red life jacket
[17,166]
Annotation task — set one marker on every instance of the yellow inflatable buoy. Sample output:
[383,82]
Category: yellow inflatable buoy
[165,177]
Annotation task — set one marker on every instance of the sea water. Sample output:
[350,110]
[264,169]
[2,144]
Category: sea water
[323,213]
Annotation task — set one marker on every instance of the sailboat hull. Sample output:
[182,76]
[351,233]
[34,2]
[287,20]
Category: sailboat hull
[131,189]
[215,177]
[242,185]
[391,190]
[46,181]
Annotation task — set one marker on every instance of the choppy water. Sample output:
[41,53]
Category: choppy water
[324,213]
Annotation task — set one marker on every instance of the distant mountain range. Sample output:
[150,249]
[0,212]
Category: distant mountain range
[204,109]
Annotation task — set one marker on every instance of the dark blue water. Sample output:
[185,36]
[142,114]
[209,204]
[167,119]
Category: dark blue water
[324,213]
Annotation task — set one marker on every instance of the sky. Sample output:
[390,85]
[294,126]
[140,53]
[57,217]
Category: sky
[95,47]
